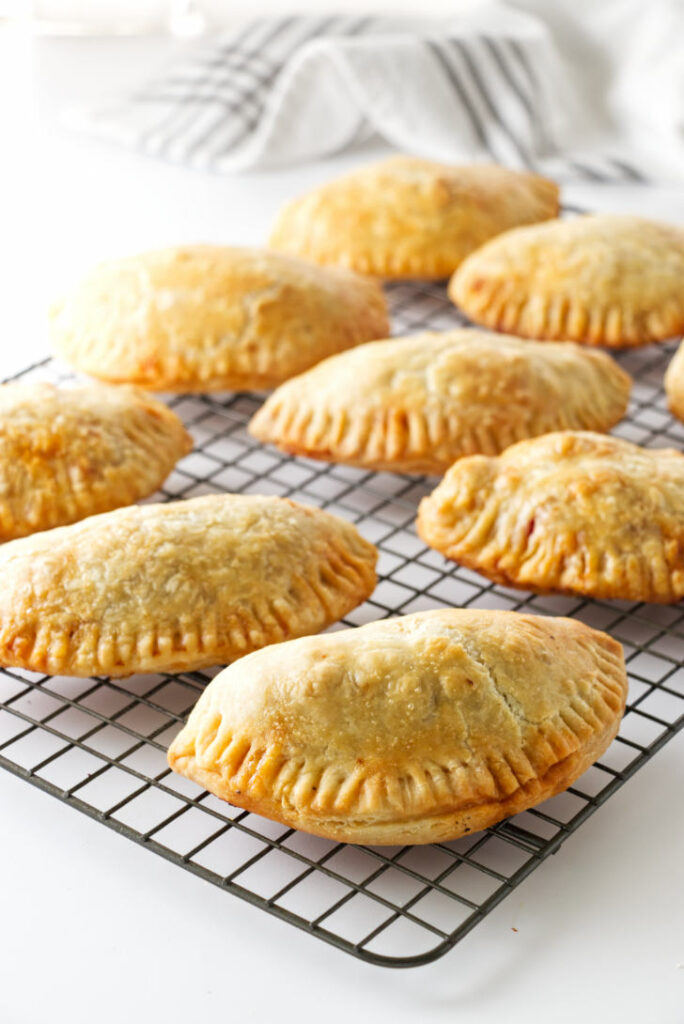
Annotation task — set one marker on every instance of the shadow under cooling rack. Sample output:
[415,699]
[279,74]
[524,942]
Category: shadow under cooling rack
[100,744]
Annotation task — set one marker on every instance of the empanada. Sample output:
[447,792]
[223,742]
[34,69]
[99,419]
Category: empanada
[173,587]
[579,513]
[67,454]
[408,730]
[410,218]
[206,318]
[674,383]
[603,279]
[416,404]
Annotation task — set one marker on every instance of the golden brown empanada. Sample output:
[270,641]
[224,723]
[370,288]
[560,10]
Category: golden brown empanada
[409,730]
[67,454]
[407,218]
[579,513]
[205,318]
[603,279]
[416,404]
[166,588]
[674,383]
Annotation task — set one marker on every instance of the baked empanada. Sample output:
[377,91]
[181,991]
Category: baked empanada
[602,279]
[409,218]
[409,730]
[416,404]
[206,318]
[674,383]
[69,453]
[579,513]
[168,588]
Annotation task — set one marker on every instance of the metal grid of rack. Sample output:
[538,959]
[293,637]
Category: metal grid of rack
[100,744]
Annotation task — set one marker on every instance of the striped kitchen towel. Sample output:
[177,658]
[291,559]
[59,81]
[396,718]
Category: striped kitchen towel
[486,86]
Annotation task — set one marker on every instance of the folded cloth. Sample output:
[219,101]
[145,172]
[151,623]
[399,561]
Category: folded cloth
[486,85]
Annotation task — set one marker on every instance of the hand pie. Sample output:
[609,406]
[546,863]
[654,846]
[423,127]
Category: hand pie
[67,454]
[416,404]
[674,383]
[409,730]
[604,279]
[168,588]
[405,217]
[205,318]
[578,513]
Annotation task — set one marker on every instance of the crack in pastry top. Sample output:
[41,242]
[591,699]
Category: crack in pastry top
[437,712]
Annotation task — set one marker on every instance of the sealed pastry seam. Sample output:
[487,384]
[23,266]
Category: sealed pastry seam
[558,316]
[570,512]
[414,787]
[410,218]
[177,586]
[416,404]
[267,620]
[603,279]
[69,453]
[424,787]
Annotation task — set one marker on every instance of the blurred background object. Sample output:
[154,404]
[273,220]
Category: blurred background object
[182,18]
[599,87]
[567,89]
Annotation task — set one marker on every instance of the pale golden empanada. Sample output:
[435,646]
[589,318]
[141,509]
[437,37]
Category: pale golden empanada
[579,513]
[205,318]
[408,218]
[167,588]
[674,383]
[67,454]
[409,730]
[603,279]
[416,404]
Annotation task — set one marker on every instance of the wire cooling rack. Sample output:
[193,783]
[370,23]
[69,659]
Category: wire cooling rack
[100,744]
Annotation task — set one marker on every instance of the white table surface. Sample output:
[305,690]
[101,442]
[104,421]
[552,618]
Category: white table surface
[94,928]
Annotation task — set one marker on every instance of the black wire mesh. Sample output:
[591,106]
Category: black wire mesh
[100,744]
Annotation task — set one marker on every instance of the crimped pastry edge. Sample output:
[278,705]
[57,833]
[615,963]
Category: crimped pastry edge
[346,579]
[426,440]
[234,369]
[247,769]
[68,503]
[648,577]
[560,317]
[383,443]
[378,258]
[419,830]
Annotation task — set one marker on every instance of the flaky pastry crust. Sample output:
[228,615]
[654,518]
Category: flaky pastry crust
[409,730]
[409,218]
[578,513]
[69,453]
[416,404]
[206,318]
[674,383]
[177,586]
[601,279]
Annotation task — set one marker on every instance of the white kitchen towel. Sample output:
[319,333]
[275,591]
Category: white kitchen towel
[489,84]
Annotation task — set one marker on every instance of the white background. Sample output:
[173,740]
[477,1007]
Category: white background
[93,928]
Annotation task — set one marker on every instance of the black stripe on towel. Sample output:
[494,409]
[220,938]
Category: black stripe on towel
[326,27]
[479,84]
[454,79]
